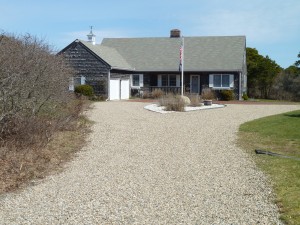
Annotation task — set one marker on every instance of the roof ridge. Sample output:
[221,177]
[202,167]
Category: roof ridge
[176,38]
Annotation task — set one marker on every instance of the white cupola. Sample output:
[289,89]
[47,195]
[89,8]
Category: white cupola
[91,37]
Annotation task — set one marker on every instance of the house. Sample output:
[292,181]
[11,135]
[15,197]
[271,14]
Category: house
[120,67]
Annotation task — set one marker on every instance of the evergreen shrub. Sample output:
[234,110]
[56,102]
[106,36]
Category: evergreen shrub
[227,95]
[85,90]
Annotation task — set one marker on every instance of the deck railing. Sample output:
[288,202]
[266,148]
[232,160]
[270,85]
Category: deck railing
[175,90]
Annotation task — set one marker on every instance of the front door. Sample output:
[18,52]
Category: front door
[195,84]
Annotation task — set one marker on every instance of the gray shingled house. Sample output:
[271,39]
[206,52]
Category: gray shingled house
[120,67]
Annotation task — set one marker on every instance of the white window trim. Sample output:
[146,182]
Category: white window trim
[141,81]
[82,80]
[231,82]
[71,84]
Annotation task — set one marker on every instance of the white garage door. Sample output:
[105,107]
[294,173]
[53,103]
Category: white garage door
[119,89]
[124,89]
[114,89]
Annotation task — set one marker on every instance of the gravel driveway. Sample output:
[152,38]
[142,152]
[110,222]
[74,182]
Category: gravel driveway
[142,167]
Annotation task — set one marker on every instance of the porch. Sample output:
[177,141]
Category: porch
[174,90]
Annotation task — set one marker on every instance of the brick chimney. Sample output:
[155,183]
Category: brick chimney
[175,33]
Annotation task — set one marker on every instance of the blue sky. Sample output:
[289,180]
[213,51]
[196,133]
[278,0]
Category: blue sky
[271,26]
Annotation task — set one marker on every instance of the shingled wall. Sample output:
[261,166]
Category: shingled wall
[88,65]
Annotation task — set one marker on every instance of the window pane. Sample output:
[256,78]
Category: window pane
[217,80]
[172,80]
[164,80]
[136,80]
[225,81]
[77,81]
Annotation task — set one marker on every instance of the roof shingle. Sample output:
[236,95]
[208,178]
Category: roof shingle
[219,53]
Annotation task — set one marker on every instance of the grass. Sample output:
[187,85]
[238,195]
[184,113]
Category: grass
[279,134]
[272,101]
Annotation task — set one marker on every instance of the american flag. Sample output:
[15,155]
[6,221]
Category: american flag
[180,56]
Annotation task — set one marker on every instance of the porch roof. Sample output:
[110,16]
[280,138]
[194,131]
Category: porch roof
[215,53]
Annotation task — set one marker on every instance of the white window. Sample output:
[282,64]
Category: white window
[71,84]
[172,80]
[168,80]
[137,80]
[164,80]
[75,81]
[221,81]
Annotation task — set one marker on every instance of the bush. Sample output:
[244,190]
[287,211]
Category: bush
[195,100]
[157,93]
[208,94]
[146,94]
[227,95]
[85,90]
[245,96]
[31,77]
[35,106]
[186,100]
[172,103]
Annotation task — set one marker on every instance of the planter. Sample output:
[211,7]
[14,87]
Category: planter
[207,102]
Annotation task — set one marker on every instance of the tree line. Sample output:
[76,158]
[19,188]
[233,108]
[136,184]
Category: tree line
[266,79]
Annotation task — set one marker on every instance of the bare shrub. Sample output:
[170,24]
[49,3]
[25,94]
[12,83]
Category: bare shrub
[195,100]
[163,101]
[34,105]
[157,93]
[30,76]
[36,146]
[208,94]
[146,94]
[18,166]
[172,102]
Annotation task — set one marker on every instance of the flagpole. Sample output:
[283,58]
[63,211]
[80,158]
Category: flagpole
[182,66]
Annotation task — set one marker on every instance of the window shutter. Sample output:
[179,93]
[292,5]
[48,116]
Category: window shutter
[141,80]
[159,80]
[82,80]
[231,81]
[177,80]
[211,80]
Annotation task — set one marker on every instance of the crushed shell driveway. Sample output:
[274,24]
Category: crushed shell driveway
[141,167]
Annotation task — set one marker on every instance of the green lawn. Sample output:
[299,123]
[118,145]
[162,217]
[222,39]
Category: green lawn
[279,134]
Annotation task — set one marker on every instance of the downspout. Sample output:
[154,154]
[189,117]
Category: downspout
[240,86]
[108,85]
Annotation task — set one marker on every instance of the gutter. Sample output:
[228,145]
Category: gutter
[125,69]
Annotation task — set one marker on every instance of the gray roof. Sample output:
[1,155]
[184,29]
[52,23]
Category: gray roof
[219,53]
[109,55]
